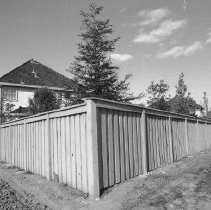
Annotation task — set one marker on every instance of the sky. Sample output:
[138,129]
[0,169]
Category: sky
[159,38]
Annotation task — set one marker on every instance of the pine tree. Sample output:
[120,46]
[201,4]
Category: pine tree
[93,70]
[183,102]
[181,88]
[44,100]
[157,95]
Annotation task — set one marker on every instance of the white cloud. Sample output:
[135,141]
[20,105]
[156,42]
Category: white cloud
[165,29]
[193,48]
[123,10]
[181,51]
[209,36]
[153,16]
[121,57]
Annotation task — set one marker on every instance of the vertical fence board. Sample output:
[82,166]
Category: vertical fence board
[54,140]
[78,151]
[150,157]
[73,160]
[138,124]
[59,150]
[42,132]
[127,172]
[121,139]
[116,147]
[68,149]
[110,148]
[104,147]
[63,151]
[130,139]
[135,145]
[83,152]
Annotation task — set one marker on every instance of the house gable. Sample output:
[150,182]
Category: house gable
[20,84]
[34,73]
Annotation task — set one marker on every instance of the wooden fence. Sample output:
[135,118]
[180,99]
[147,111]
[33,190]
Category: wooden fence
[100,143]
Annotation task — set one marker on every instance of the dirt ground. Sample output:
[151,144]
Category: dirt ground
[182,185]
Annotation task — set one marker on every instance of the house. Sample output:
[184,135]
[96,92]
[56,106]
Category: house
[20,84]
[196,109]
[209,114]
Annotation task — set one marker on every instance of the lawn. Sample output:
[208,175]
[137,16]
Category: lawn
[182,185]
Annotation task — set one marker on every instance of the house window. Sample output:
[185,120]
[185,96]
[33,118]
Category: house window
[10,94]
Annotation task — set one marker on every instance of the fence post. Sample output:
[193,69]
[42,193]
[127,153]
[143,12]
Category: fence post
[198,140]
[186,136]
[48,149]
[92,150]
[25,142]
[206,136]
[0,141]
[144,141]
[170,141]
[208,132]
[9,143]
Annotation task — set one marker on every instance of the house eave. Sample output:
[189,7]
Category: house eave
[31,86]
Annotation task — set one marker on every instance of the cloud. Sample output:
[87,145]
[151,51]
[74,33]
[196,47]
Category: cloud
[153,16]
[181,51]
[209,36]
[123,10]
[165,29]
[121,57]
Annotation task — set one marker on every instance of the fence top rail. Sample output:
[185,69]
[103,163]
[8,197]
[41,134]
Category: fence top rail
[43,114]
[105,103]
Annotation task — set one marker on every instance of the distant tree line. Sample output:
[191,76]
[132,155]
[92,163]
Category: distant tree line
[182,102]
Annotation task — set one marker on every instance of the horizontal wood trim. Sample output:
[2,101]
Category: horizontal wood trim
[108,104]
[75,109]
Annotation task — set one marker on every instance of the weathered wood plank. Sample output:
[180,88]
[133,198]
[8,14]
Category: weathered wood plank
[59,150]
[163,139]
[143,142]
[104,132]
[116,147]
[111,147]
[126,139]
[73,153]
[83,152]
[78,152]
[122,146]
[63,151]
[156,151]
[130,134]
[92,150]
[100,148]
[43,146]
[135,145]
[68,149]
[138,124]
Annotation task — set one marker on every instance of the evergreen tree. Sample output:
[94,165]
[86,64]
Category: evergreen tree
[181,87]
[157,95]
[5,110]
[44,100]
[93,70]
[183,103]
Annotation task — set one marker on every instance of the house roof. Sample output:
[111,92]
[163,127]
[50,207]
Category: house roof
[33,73]
[20,109]
[177,99]
[209,114]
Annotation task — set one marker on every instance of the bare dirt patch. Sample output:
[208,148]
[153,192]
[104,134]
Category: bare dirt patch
[38,191]
[182,185]
[11,199]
